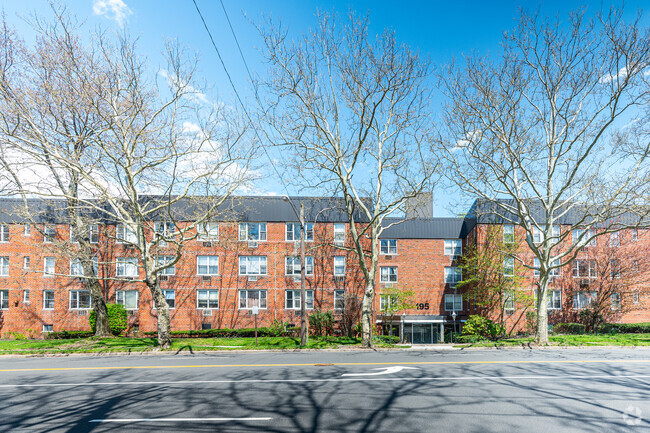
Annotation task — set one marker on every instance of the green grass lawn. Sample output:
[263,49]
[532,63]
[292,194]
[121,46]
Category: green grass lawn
[573,340]
[128,344]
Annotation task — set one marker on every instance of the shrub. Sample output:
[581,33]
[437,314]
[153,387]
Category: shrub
[625,328]
[570,328]
[470,339]
[321,323]
[228,333]
[64,335]
[390,339]
[117,318]
[482,327]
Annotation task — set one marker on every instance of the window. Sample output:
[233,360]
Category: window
[127,267]
[26,262]
[292,266]
[170,297]
[554,272]
[635,297]
[453,247]
[453,302]
[93,233]
[252,231]
[208,231]
[207,299]
[125,235]
[292,232]
[49,266]
[585,234]
[453,275]
[509,301]
[635,235]
[554,299]
[339,233]
[584,269]
[76,268]
[583,299]
[555,232]
[207,265]
[386,302]
[614,239]
[292,299]
[4,299]
[79,299]
[128,298]
[164,228]
[509,233]
[27,229]
[49,233]
[615,298]
[508,266]
[388,246]
[48,328]
[538,236]
[252,265]
[4,233]
[252,298]
[388,274]
[25,296]
[163,261]
[48,299]
[4,266]
[615,268]
[339,300]
[339,266]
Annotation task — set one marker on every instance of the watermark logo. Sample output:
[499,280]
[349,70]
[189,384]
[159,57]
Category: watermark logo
[632,415]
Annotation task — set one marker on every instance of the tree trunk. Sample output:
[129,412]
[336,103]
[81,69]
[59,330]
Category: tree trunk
[541,334]
[164,323]
[102,325]
[366,315]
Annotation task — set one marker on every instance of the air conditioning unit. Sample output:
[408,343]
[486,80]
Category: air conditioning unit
[389,257]
[82,312]
[339,243]
[163,244]
[206,278]
[207,244]
[163,277]
[252,278]
[297,279]
[339,277]
[388,285]
[252,244]
[207,312]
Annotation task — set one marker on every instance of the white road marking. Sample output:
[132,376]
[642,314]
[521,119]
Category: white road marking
[379,379]
[126,420]
[386,370]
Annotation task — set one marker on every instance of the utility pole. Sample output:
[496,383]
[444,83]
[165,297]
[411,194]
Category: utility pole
[304,334]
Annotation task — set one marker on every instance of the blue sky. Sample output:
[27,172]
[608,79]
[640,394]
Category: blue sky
[440,29]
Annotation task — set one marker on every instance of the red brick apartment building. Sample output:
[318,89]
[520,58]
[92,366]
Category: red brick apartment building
[248,257]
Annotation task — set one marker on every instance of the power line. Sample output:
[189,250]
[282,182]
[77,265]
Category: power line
[232,84]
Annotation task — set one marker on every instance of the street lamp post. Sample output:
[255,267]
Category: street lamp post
[304,331]
[453,316]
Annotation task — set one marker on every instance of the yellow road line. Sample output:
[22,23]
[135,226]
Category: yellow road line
[136,367]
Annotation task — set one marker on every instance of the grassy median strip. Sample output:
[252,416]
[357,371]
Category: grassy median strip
[136,345]
[572,340]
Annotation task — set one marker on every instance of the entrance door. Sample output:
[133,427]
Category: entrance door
[423,334]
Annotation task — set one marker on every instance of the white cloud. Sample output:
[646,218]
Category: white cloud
[115,10]
[190,92]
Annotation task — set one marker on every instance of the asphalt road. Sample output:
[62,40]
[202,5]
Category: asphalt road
[597,390]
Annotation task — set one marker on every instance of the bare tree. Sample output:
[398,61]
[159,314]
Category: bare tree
[152,153]
[352,110]
[538,134]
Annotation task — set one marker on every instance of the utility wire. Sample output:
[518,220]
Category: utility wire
[232,84]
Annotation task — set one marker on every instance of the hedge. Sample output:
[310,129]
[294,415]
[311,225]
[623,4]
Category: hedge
[117,318]
[569,328]
[624,328]
[64,335]
[230,333]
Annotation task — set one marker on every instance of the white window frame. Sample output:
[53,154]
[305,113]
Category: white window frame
[592,269]
[127,263]
[4,299]
[75,300]
[635,297]
[453,247]
[538,236]
[47,272]
[388,274]
[93,233]
[211,262]
[339,297]
[292,232]
[26,296]
[576,233]
[339,233]
[385,301]
[75,262]
[121,298]
[47,301]
[247,260]
[554,297]
[4,232]
[453,275]
[455,300]
[509,297]
[509,267]
[292,299]
[172,297]
[207,298]
[245,230]
[27,230]
[615,300]
[388,247]
[165,229]
[585,298]
[124,235]
[161,260]
[47,328]
[208,231]
[4,266]
[339,268]
[615,239]
[244,299]
[49,233]
[508,233]
[292,266]
[27,262]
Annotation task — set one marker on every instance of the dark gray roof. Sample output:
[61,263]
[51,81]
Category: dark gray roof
[426,228]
